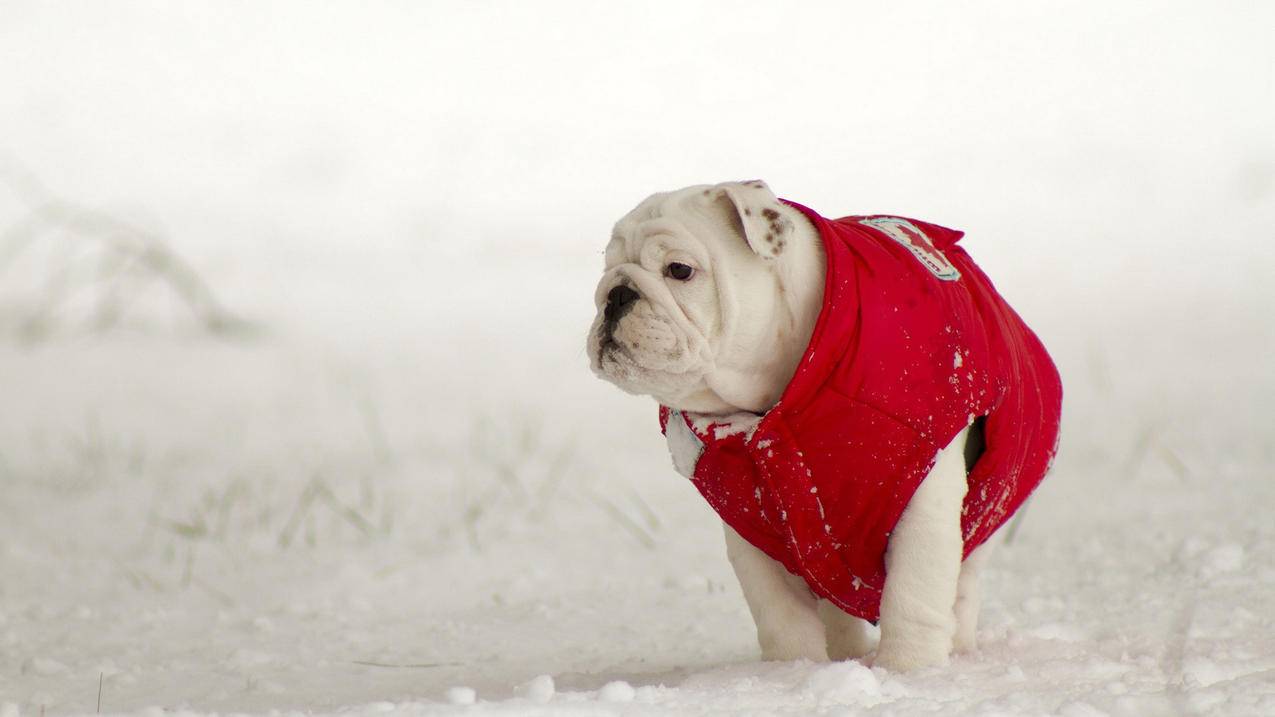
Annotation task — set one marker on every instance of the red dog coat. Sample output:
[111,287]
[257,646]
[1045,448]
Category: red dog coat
[912,344]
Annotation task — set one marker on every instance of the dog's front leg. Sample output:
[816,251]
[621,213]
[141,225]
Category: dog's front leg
[922,563]
[784,609]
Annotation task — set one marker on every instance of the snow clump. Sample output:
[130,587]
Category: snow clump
[618,691]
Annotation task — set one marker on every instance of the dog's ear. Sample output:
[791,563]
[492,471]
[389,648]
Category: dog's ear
[757,215]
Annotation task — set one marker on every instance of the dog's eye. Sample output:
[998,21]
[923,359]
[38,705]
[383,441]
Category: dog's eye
[681,272]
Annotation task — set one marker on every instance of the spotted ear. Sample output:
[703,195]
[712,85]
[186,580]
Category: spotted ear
[758,216]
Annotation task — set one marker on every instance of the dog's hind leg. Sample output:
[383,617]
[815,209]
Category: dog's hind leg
[968,598]
[784,609]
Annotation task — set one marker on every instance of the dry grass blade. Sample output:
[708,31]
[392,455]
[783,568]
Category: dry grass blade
[1016,522]
[652,520]
[299,511]
[318,491]
[631,526]
[217,593]
[1176,464]
[350,515]
[413,666]
[128,258]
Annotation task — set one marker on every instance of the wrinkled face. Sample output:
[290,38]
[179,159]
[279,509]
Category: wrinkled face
[657,309]
[668,301]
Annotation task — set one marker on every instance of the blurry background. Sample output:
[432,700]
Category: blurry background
[294,407]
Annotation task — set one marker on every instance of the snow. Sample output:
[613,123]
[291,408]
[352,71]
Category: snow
[406,494]
[617,691]
[726,426]
[461,695]
[538,689]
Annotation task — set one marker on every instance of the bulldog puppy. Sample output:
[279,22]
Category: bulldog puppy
[708,303]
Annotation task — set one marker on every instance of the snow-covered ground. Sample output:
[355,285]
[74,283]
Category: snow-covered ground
[404,492]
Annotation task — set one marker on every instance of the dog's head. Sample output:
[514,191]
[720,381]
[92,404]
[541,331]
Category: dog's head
[708,298]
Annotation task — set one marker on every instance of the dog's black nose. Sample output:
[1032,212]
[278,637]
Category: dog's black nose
[619,301]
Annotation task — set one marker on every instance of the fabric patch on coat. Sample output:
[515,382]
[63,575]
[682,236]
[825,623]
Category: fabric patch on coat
[683,445]
[914,240]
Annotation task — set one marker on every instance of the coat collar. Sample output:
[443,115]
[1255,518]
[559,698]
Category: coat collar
[836,328]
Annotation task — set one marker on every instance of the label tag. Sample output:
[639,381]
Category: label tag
[914,240]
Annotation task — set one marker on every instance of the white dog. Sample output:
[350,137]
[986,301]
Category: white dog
[708,303]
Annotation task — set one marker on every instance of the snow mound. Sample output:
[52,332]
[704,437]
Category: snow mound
[845,683]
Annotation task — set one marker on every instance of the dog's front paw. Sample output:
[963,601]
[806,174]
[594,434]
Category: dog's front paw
[792,644]
[897,657]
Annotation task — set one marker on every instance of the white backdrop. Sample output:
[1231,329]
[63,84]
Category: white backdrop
[410,464]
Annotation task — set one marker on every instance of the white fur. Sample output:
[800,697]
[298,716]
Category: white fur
[727,343]
[847,637]
[922,566]
[968,597]
[783,608]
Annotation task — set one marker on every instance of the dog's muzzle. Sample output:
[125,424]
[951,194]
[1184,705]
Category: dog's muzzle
[619,301]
